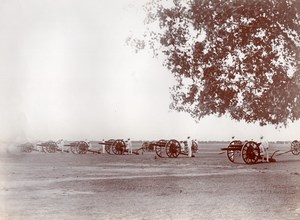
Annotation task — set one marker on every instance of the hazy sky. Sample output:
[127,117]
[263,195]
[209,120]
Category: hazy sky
[66,72]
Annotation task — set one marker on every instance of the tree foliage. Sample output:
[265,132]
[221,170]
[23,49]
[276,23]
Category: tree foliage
[230,57]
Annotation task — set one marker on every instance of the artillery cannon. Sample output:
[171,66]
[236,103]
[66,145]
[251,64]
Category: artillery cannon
[27,147]
[251,153]
[249,150]
[80,147]
[172,148]
[295,147]
[148,146]
[115,146]
[108,145]
[48,147]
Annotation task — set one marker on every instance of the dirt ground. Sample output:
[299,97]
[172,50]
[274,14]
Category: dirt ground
[92,186]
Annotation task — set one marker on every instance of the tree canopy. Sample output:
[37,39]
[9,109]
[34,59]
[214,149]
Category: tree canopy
[230,57]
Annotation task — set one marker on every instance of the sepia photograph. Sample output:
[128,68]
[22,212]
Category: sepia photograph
[150,109]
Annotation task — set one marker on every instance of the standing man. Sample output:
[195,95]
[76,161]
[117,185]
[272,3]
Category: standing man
[103,146]
[264,146]
[129,146]
[61,144]
[189,146]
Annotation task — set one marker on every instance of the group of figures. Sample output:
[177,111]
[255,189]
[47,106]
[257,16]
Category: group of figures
[170,148]
[253,152]
[250,152]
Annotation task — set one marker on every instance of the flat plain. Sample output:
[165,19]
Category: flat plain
[101,186]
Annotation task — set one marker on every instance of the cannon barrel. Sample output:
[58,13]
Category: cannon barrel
[42,144]
[106,143]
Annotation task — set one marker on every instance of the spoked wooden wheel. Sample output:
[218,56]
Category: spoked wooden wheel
[108,146]
[159,151]
[159,148]
[194,147]
[119,147]
[232,154]
[173,148]
[295,147]
[51,147]
[27,148]
[82,147]
[73,148]
[250,152]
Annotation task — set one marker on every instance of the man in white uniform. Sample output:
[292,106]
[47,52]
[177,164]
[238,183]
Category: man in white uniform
[129,146]
[61,145]
[189,146]
[103,146]
[264,146]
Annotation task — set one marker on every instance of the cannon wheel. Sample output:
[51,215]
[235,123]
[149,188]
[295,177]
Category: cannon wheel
[82,147]
[159,151]
[231,154]
[73,148]
[119,147]
[295,147]
[27,148]
[194,147]
[173,148]
[159,148]
[108,147]
[250,152]
[44,148]
[50,147]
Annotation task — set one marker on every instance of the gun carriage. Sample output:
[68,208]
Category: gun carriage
[148,146]
[48,147]
[118,147]
[27,147]
[115,146]
[108,145]
[80,147]
[171,148]
[248,150]
[295,147]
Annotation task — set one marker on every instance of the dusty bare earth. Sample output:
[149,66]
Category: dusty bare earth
[92,186]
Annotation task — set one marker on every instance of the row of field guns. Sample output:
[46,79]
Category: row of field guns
[169,148]
[75,147]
